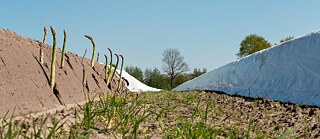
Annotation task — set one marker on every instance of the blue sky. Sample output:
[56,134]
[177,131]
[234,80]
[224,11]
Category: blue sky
[207,32]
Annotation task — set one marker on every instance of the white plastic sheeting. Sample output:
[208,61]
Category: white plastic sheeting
[135,85]
[289,72]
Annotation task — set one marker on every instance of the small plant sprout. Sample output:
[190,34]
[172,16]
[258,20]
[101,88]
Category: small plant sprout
[85,52]
[83,76]
[113,71]
[45,34]
[94,49]
[110,65]
[41,53]
[44,41]
[120,76]
[106,69]
[98,57]
[53,60]
[63,47]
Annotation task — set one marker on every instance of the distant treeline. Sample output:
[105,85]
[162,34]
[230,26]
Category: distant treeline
[154,78]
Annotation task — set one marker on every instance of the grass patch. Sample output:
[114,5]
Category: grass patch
[168,115]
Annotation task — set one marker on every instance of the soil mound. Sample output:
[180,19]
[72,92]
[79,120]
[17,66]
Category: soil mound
[288,72]
[24,81]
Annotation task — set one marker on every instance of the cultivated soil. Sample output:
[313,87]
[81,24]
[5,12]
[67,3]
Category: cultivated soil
[24,81]
[67,113]
[179,115]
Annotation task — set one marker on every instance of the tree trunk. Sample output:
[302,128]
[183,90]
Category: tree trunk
[171,82]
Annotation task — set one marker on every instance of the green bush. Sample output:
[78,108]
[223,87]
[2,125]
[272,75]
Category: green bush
[136,72]
[155,79]
[252,44]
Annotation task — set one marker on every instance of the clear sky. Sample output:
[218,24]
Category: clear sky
[207,32]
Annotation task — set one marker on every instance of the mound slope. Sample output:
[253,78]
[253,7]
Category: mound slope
[288,72]
[24,81]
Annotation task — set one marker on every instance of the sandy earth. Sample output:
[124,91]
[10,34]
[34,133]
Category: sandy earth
[24,87]
[234,113]
[24,81]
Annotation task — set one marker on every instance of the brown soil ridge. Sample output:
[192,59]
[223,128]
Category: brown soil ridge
[24,81]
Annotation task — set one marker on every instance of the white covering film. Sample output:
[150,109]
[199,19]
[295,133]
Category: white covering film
[135,85]
[289,72]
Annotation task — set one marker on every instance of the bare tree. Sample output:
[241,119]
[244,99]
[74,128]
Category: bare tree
[173,64]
